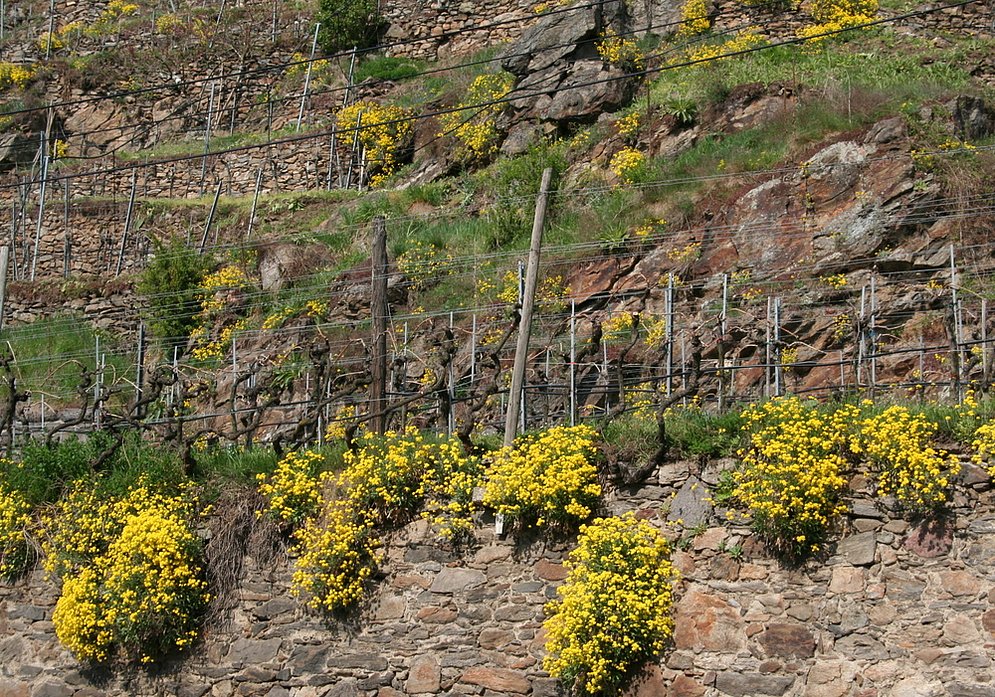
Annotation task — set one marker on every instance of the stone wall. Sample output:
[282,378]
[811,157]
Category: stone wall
[896,608]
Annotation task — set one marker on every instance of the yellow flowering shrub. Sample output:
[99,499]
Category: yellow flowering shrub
[614,610]
[618,327]
[15,516]
[130,567]
[705,54]
[694,19]
[291,491]
[983,445]
[623,52]
[835,15]
[210,339]
[384,131]
[628,126]
[475,127]
[548,477]
[425,264]
[626,163]
[385,480]
[896,443]
[13,75]
[791,474]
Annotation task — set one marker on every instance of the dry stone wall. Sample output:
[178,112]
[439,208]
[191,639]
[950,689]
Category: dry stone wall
[896,608]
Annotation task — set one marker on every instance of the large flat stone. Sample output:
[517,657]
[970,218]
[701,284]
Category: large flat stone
[858,549]
[750,684]
[423,676]
[706,621]
[497,679]
[253,651]
[454,580]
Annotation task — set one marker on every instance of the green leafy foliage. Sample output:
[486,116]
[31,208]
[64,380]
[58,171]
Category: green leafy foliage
[170,286]
[347,24]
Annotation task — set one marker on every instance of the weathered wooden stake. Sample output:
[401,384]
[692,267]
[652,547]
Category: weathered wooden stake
[4,263]
[528,304]
[127,222]
[307,77]
[255,202]
[573,362]
[210,219]
[378,311]
[41,215]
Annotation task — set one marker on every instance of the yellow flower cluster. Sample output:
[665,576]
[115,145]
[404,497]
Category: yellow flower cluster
[791,477]
[131,575]
[168,23]
[694,19]
[215,292]
[475,127]
[291,491]
[628,126]
[14,520]
[551,293]
[337,427]
[835,15]
[13,75]
[384,131]
[984,447]
[842,326]
[743,41]
[274,320]
[896,443]
[656,329]
[205,350]
[614,610]
[384,482]
[835,281]
[622,52]
[425,264]
[685,254]
[618,326]
[549,477]
[626,163]
[299,67]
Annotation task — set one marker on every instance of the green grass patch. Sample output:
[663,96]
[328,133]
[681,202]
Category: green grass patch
[50,353]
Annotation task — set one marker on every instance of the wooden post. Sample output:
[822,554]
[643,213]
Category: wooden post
[378,311]
[957,363]
[670,332]
[255,202]
[4,262]
[861,338]
[573,362]
[207,138]
[874,333]
[984,343]
[51,29]
[722,341]
[127,222]
[140,369]
[777,347]
[528,304]
[307,77]
[210,219]
[66,237]
[41,214]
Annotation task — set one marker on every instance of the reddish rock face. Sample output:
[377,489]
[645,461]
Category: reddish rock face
[706,621]
[498,679]
[788,640]
[930,539]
